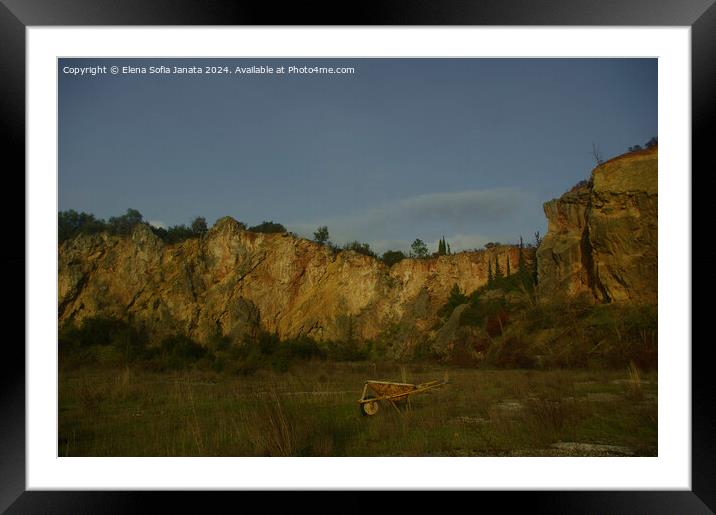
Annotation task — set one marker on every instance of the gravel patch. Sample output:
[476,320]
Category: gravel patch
[592,449]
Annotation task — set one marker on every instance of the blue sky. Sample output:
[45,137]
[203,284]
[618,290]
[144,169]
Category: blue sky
[401,149]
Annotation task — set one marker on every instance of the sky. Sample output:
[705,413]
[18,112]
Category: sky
[400,149]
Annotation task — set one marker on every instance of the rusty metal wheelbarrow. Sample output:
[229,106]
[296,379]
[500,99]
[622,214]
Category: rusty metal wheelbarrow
[394,393]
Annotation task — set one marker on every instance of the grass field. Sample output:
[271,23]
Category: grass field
[311,410]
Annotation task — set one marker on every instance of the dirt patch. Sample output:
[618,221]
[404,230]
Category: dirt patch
[472,420]
[510,406]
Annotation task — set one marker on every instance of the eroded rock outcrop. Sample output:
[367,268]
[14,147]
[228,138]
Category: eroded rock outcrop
[235,282]
[602,236]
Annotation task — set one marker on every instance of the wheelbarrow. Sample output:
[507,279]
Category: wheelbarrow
[393,393]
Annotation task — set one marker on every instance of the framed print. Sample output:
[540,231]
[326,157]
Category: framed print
[393,255]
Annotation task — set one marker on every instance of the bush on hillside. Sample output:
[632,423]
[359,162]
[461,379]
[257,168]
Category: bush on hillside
[268,227]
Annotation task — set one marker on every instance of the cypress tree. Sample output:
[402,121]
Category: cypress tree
[508,265]
[535,274]
[490,277]
[448,249]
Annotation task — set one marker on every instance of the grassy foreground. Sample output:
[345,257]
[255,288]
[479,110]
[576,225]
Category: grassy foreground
[311,410]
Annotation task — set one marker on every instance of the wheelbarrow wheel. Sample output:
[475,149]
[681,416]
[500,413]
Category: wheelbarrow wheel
[369,408]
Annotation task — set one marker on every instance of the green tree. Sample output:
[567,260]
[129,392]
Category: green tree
[198,225]
[71,223]
[160,232]
[457,296]
[392,257]
[538,242]
[361,248]
[508,266]
[125,223]
[448,249]
[455,299]
[321,235]
[419,249]
[179,233]
[268,227]
[443,247]
[521,267]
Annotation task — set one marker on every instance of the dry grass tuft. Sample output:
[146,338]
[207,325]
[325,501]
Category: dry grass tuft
[272,431]
[634,390]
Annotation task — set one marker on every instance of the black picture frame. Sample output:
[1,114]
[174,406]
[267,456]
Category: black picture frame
[16,15]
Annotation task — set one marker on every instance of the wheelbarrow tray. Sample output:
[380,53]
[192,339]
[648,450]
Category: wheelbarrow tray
[394,392]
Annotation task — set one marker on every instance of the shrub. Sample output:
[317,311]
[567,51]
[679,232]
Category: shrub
[392,257]
[321,235]
[583,334]
[218,342]
[455,299]
[480,310]
[424,351]
[175,233]
[496,322]
[349,350]
[376,350]
[92,331]
[360,248]
[558,312]
[267,350]
[124,224]
[513,352]
[463,354]
[131,342]
[268,343]
[268,227]
[304,347]
[179,351]
[198,225]
[71,223]
[629,334]
[82,343]
[584,183]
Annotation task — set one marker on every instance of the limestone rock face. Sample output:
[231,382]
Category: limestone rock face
[602,237]
[235,282]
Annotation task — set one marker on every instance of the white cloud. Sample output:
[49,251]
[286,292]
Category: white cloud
[485,205]
[158,224]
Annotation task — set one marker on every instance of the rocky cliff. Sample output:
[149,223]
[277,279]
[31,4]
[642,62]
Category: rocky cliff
[235,282]
[602,236]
